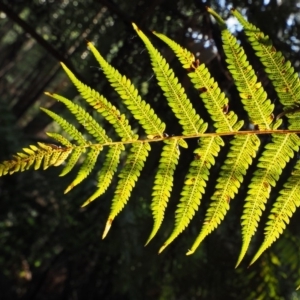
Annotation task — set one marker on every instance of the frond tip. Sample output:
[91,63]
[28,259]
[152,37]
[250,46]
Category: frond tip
[45,155]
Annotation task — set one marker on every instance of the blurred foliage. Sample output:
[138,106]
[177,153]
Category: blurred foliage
[51,248]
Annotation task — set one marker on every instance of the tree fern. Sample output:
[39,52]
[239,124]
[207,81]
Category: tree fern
[244,145]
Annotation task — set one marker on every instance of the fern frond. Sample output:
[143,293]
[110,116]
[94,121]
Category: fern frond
[128,177]
[253,96]
[84,118]
[50,155]
[163,183]
[195,183]
[129,94]
[243,149]
[244,145]
[282,210]
[107,171]
[281,73]
[86,167]
[272,161]
[67,127]
[105,108]
[173,90]
[214,100]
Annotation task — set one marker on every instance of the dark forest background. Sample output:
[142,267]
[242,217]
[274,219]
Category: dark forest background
[50,248]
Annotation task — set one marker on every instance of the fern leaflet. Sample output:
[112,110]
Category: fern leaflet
[107,171]
[174,92]
[128,177]
[87,166]
[163,183]
[194,187]
[84,119]
[281,73]
[138,107]
[232,174]
[282,210]
[100,103]
[270,166]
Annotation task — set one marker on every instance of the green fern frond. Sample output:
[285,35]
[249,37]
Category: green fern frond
[107,171]
[86,167]
[129,94]
[243,149]
[50,155]
[270,166]
[281,73]
[173,90]
[253,96]
[84,118]
[282,210]
[244,145]
[195,183]
[128,177]
[105,108]
[163,183]
[214,100]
